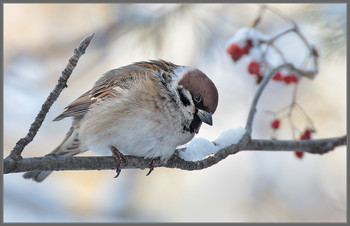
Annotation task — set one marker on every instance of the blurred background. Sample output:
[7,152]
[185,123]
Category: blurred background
[246,187]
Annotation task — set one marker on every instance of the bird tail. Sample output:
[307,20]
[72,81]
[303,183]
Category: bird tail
[70,146]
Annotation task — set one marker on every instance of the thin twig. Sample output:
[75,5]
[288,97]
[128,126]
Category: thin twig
[309,120]
[260,14]
[279,52]
[272,40]
[282,15]
[291,108]
[62,83]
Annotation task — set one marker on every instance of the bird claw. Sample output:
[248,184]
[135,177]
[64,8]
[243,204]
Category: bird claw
[151,167]
[118,170]
[120,158]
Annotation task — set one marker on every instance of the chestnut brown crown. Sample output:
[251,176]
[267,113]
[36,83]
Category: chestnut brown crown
[197,82]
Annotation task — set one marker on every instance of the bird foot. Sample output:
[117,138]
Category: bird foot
[120,158]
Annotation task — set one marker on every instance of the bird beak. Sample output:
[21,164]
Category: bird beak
[205,116]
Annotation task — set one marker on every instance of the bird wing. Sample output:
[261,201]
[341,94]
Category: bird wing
[105,86]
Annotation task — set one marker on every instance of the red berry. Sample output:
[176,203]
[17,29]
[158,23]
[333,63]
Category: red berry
[277,77]
[275,124]
[294,78]
[291,78]
[306,135]
[287,79]
[299,154]
[254,68]
[235,51]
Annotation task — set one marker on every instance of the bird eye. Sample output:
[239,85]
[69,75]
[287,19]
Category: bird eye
[197,98]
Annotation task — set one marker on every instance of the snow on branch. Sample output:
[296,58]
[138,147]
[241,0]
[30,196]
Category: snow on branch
[199,148]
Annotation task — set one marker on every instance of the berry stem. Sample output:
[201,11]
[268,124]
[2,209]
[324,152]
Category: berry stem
[261,88]
[260,14]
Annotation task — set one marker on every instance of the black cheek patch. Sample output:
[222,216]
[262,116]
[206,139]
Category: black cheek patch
[183,98]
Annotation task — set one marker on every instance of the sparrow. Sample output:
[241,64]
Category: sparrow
[145,109]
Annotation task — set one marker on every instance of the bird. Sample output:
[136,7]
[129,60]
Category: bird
[145,109]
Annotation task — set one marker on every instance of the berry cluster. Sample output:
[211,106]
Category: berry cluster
[236,52]
[306,135]
[275,124]
[288,79]
[248,39]
[249,45]
[250,42]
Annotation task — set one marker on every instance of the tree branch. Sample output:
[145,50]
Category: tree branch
[15,163]
[62,83]
[55,162]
